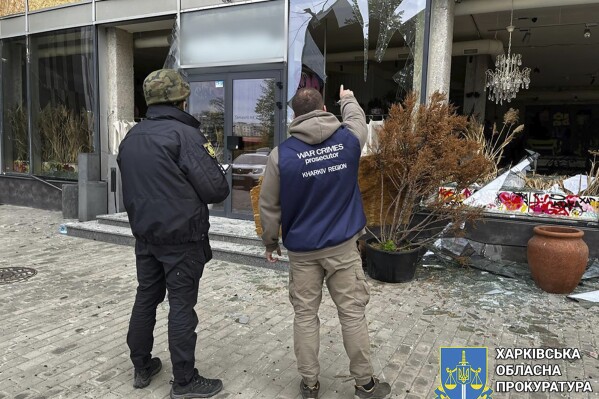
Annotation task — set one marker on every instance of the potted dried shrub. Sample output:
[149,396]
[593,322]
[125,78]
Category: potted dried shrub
[420,148]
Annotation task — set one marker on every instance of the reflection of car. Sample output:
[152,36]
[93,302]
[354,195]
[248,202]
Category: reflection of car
[248,168]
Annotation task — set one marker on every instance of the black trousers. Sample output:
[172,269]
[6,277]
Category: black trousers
[177,268]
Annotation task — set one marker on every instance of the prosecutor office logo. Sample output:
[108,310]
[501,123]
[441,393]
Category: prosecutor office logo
[210,150]
[463,374]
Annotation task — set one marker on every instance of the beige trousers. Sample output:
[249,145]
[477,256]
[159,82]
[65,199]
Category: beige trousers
[349,290]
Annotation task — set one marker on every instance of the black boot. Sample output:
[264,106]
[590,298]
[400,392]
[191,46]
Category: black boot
[198,387]
[142,377]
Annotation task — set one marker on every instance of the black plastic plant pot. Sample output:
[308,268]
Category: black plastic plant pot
[391,267]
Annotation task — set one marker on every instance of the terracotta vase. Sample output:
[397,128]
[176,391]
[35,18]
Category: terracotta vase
[557,257]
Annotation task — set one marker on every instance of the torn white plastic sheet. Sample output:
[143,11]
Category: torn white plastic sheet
[116,134]
[576,184]
[373,137]
[487,195]
[592,296]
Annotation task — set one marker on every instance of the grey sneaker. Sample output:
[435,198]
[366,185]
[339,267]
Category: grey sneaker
[380,390]
[198,387]
[143,377]
[309,392]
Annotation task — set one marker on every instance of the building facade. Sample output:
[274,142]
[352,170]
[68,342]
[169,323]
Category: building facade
[72,72]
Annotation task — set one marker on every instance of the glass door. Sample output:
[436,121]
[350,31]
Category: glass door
[240,115]
[254,109]
[207,104]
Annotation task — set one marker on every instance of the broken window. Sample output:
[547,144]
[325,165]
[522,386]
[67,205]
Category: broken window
[332,43]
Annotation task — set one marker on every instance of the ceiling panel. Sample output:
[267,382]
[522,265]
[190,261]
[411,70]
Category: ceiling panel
[549,39]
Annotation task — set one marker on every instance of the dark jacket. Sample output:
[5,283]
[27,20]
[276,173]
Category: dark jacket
[168,178]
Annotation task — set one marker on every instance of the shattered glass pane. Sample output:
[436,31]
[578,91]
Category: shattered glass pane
[408,9]
[405,78]
[390,22]
[313,57]
[300,14]
[360,8]
[408,32]
[344,13]
[173,58]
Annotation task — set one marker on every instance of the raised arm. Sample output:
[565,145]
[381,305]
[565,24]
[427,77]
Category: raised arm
[353,115]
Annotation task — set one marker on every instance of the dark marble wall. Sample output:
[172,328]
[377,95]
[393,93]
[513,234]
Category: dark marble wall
[512,234]
[28,192]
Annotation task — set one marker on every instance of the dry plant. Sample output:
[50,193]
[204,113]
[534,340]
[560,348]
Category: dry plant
[593,177]
[494,147]
[64,134]
[17,122]
[543,183]
[422,147]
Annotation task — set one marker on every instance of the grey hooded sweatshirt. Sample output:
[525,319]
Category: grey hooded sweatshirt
[312,128]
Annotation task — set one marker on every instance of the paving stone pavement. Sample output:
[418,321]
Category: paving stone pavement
[63,330]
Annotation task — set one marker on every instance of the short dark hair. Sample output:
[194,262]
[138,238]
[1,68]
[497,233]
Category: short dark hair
[306,100]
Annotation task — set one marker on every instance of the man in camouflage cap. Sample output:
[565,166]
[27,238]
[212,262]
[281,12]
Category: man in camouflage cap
[165,86]
[169,175]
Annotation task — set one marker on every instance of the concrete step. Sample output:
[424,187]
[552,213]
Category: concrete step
[226,245]
[223,229]
[96,231]
[115,219]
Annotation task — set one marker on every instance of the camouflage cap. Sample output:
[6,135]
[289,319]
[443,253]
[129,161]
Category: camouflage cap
[165,86]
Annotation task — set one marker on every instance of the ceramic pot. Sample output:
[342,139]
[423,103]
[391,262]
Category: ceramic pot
[557,257]
[391,267]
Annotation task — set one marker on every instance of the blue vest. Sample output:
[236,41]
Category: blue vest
[321,205]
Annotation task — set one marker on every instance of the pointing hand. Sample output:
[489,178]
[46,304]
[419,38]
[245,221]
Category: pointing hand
[343,92]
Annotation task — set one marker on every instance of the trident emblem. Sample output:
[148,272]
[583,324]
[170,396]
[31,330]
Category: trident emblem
[465,374]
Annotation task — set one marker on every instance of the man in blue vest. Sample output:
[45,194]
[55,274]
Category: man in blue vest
[310,191]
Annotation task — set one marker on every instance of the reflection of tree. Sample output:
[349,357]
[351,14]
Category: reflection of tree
[265,112]
[213,124]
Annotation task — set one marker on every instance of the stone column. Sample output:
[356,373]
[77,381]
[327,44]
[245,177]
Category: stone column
[419,52]
[441,43]
[117,100]
[475,99]
[116,82]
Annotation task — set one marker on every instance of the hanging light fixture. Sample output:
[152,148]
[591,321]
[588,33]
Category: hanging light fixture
[507,79]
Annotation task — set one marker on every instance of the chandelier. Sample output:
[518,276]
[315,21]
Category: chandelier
[507,79]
